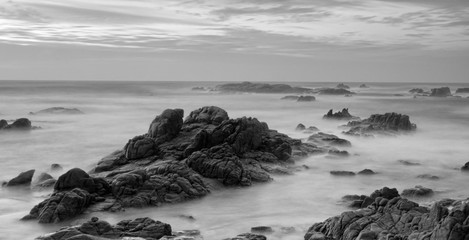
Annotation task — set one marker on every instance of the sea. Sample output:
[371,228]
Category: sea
[117,111]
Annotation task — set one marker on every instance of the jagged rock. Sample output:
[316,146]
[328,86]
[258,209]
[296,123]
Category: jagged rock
[366,172]
[340,115]
[184,235]
[139,228]
[248,236]
[262,229]
[58,110]
[381,123]
[417,191]
[300,127]
[23,178]
[334,91]
[462,90]
[260,88]
[363,86]
[306,99]
[416,90]
[397,218]
[342,173]
[465,167]
[167,125]
[61,206]
[440,92]
[77,178]
[18,124]
[328,139]
[208,115]
[140,147]
[342,86]
[379,197]
[290,97]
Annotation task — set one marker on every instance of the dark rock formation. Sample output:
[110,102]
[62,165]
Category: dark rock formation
[260,88]
[408,162]
[328,139]
[3,123]
[311,129]
[397,218]
[462,90]
[58,110]
[262,229]
[56,167]
[416,90]
[380,196]
[381,123]
[19,124]
[290,97]
[366,172]
[23,178]
[363,86]
[300,127]
[306,99]
[173,162]
[465,167]
[428,177]
[334,91]
[340,115]
[342,173]
[142,228]
[440,92]
[417,191]
[248,236]
[342,86]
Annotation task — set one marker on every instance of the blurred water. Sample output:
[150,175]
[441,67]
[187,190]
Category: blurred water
[117,111]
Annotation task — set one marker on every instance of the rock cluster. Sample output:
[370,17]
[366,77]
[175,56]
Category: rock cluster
[342,86]
[440,92]
[19,124]
[335,91]
[381,123]
[416,90]
[172,162]
[340,115]
[260,88]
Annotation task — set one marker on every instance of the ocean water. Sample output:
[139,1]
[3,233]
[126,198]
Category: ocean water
[117,111]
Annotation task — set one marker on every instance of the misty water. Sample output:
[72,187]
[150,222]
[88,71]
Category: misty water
[118,111]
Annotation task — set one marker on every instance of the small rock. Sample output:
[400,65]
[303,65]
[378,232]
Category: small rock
[56,167]
[262,229]
[417,191]
[408,162]
[306,99]
[428,176]
[342,173]
[366,172]
[23,178]
[300,127]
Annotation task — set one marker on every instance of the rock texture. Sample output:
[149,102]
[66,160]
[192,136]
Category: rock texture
[381,123]
[462,90]
[23,178]
[392,217]
[58,110]
[335,91]
[140,228]
[340,115]
[440,92]
[328,139]
[19,124]
[260,88]
[173,162]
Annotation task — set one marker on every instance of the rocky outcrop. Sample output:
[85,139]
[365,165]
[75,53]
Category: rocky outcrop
[290,97]
[363,86]
[249,87]
[465,167]
[381,123]
[417,191]
[58,110]
[416,90]
[140,228]
[328,139]
[342,86]
[23,178]
[19,124]
[440,92]
[173,162]
[393,217]
[340,115]
[462,90]
[335,91]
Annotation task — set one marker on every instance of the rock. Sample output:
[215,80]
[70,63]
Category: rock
[342,86]
[416,90]
[328,139]
[290,97]
[306,99]
[465,167]
[311,129]
[428,177]
[397,218]
[262,229]
[417,191]
[23,178]
[338,153]
[61,206]
[334,91]
[43,177]
[462,90]
[300,127]
[381,123]
[58,110]
[340,115]
[249,87]
[200,89]
[56,167]
[139,228]
[167,125]
[248,236]
[363,86]
[408,162]
[3,124]
[19,124]
[440,92]
[48,183]
[77,178]
[366,172]
[140,147]
[342,173]
[208,115]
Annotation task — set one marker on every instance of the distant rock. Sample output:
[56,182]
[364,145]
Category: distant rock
[139,228]
[249,87]
[342,86]
[58,110]
[462,90]
[408,162]
[416,90]
[366,172]
[340,115]
[56,167]
[342,173]
[306,99]
[465,167]
[440,92]
[328,139]
[201,89]
[363,86]
[290,97]
[262,229]
[428,177]
[43,177]
[378,197]
[311,129]
[23,178]
[300,127]
[417,191]
[334,91]
[3,123]
[248,236]
[21,124]
[381,123]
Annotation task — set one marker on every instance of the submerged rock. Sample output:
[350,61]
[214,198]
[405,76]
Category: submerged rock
[366,172]
[58,110]
[428,177]
[440,92]
[260,88]
[139,228]
[342,86]
[462,90]
[363,86]
[328,139]
[262,229]
[19,124]
[416,90]
[381,123]
[340,115]
[248,236]
[306,99]
[342,173]
[417,191]
[335,91]
[408,162]
[23,178]
[290,97]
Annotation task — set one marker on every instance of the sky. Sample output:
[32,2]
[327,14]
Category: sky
[235,40]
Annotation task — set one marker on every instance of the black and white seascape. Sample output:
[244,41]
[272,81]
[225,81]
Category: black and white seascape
[234,120]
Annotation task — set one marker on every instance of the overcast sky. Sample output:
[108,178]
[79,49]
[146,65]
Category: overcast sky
[235,40]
